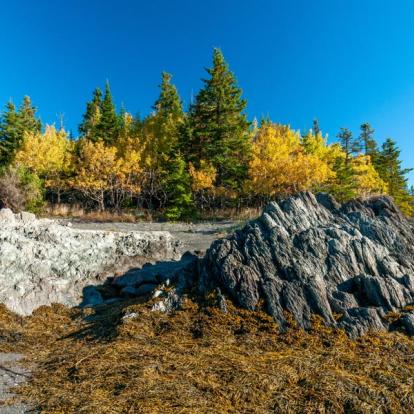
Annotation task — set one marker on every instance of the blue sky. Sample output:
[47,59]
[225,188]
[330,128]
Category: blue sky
[342,61]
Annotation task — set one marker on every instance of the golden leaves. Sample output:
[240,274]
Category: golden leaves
[281,165]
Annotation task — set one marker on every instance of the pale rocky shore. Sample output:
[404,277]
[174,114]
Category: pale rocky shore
[350,264]
[43,261]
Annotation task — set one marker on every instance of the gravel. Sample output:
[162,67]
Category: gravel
[194,236]
[11,374]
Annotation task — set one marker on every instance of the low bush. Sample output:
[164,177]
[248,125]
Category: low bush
[20,190]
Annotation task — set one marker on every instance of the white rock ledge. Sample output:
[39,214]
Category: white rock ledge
[44,262]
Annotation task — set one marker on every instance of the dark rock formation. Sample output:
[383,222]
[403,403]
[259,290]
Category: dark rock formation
[351,264]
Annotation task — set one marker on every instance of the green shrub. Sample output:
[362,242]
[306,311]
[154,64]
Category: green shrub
[21,189]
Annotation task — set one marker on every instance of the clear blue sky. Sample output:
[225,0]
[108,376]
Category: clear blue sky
[342,61]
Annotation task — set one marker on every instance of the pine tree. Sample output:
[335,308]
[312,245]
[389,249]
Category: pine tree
[13,126]
[348,143]
[91,118]
[367,140]
[108,123]
[218,129]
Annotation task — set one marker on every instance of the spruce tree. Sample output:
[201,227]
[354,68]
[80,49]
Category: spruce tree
[168,119]
[108,124]
[177,187]
[367,140]
[27,116]
[169,102]
[13,125]
[389,168]
[344,186]
[9,133]
[163,128]
[348,143]
[315,127]
[91,118]
[218,130]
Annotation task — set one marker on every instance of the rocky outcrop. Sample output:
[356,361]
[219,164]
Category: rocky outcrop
[352,264]
[44,262]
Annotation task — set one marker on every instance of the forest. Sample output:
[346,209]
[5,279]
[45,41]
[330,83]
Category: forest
[183,163]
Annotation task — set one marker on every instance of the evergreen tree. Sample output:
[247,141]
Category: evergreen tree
[315,127]
[344,186]
[390,170]
[367,140]
[92,116]
[168,120]
[162,130]
[108,123]
[218,129]
[13,125]
[169,102]
[349,145]
[100,121]
[177,187]
[27,116]
[9,133]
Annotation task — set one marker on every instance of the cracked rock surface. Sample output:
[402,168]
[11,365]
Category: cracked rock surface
[351,264]
[44,262]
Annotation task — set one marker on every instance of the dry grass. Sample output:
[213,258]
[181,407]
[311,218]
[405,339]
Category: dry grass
[131,216]
[243,214]
[199,360]
[76,211]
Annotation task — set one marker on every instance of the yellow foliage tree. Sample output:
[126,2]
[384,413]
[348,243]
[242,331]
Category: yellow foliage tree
[280,164]
[202,178]
[202,183]
[367,180]
[45,154]
[358,179]
[317,145]
[101,172]
[48,155]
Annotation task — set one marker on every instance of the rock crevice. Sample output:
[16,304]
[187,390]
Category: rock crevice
[351,264]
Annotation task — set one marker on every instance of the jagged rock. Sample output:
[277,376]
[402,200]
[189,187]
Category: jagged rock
[182,276]
[407,322]
[44,262]
[350,264]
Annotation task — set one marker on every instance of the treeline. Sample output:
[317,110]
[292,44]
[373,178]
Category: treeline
[181,163]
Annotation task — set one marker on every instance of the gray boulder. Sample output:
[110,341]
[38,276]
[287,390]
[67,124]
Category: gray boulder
[44,262]
[351,264]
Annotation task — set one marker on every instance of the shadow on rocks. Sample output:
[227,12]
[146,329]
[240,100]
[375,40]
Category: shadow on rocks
[103,307]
